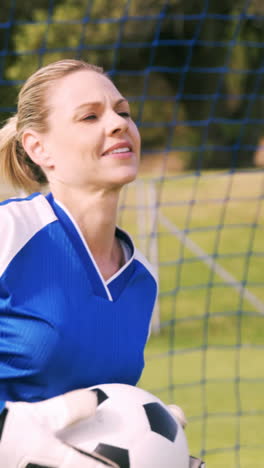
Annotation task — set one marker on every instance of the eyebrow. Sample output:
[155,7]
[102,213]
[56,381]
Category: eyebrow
[98,103]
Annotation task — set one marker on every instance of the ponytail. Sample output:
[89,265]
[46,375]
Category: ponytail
[16,168]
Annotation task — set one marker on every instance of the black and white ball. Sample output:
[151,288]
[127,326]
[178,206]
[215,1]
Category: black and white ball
[132,428]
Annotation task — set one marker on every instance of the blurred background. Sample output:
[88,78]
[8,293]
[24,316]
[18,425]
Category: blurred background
[193,73]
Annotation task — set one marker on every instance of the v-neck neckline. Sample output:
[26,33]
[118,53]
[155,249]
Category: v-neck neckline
[107,289]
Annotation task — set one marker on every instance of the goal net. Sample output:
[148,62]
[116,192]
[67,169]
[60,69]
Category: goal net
[193,73]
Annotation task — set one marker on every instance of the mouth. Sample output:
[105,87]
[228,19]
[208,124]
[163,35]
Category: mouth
[120,149]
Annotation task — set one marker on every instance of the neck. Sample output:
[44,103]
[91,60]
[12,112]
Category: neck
[96,215]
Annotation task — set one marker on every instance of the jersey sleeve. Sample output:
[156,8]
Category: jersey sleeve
[23,335]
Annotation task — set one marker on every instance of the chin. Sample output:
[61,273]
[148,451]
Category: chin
[126,176]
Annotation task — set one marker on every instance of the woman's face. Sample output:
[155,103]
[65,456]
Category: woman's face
[92,140]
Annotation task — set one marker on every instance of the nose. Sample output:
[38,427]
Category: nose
[116,124]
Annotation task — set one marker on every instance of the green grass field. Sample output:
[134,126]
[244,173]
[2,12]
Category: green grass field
[209,355]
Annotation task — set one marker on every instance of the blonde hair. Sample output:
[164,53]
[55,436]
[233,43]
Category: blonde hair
[16,167]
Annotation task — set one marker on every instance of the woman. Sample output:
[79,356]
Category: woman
[76,297]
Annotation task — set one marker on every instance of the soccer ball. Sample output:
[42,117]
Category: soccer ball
[131,427]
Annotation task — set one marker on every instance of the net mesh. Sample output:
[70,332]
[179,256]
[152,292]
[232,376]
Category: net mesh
[194,77]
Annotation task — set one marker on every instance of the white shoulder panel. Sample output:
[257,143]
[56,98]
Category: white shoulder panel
[142,259]
[19,222]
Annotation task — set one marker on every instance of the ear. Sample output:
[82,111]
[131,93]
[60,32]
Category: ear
[34,145]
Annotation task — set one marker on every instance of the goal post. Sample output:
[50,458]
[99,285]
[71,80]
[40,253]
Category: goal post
[147,228]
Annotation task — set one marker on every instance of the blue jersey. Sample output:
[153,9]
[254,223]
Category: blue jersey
[62,326]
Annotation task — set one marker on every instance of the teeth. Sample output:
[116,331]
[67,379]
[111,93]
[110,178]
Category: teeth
[125,149]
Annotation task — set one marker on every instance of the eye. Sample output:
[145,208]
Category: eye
[124,114]
[90,117]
